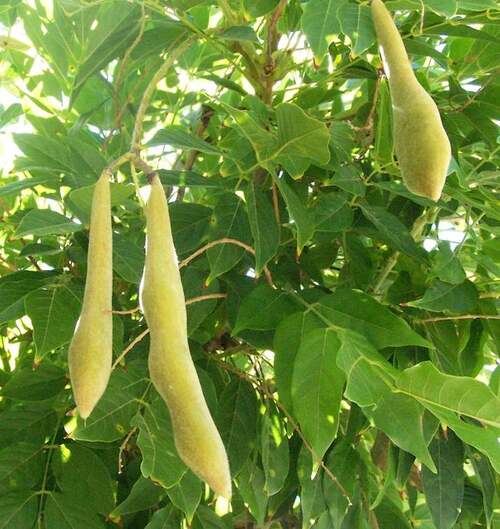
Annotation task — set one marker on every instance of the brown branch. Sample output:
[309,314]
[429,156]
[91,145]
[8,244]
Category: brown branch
[125,312]
[371,114]
[205,298]
[225,240]
[461,317]
[268,78]
[129,347]
[144,333]
[123,446]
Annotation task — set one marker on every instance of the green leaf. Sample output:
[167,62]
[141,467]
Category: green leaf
[186,494]
[15,287]
[392,230]
[40,222]
[111,418]
[31,423]
[317,387]
[18,510]
[21,466]
[287,339]
[236,421]
[332,213]
[42,383]
[263,225]
[192,280]
[450,408]
[263,309]
[39,249]
[165,518]
[160,461]
[238,33]
[384,143]
[342,141]
[143,495]
[177,137]
[451,339]
[44,153]
[250,486]
[117,28]
[390,515]
[451,299]
[360,312]
[205,518]
[312,499]
[344,462]
[53,313]
[189,179]
[301,136]
[229,220]
[320,24]
[128,258]
[11,113]
[463,395]
[190,224]
[371,384]
[274,452]
[63,512]
[70,464]
[447,266]
[80,200]
[356,23]
[298,212]
[487,477]
[14,188]
[262,141]
[444,491]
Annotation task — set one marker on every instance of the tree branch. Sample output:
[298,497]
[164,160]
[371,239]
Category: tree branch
[225,240]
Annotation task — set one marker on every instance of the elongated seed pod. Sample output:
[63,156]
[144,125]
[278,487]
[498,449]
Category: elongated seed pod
[420,141]
[90,352]
[170,365]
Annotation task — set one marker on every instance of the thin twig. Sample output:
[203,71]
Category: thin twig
[125,312]
[129,347]
[225,240]
[276,206]
[371,114]
[205,298]
[123,446]
[461,317]
[144,333]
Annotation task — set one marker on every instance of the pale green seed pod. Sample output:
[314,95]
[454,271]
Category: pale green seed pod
[170,365]
[91,349]
[420,141]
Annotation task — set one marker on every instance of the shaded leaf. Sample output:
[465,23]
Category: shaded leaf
[110,419]
[263,225]
[236,421]
[444,491]
[160,461]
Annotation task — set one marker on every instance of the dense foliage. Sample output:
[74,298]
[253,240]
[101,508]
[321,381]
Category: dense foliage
[344,329]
